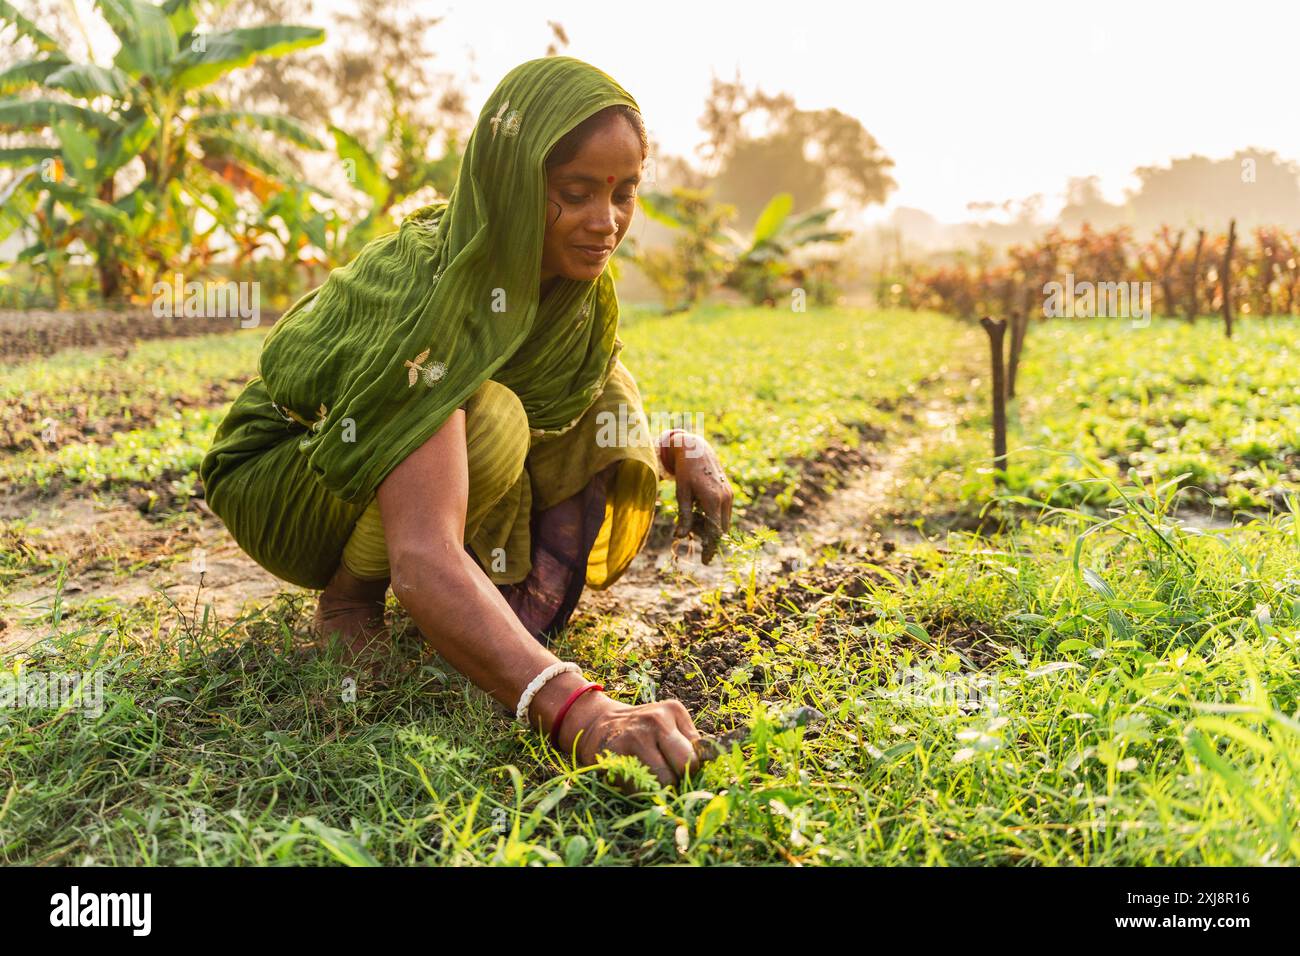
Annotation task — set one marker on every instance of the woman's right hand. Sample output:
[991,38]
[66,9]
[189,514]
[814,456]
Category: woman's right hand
[466,620]
[661,735]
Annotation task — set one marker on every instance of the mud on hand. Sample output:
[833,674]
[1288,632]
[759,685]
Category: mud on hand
[706,531]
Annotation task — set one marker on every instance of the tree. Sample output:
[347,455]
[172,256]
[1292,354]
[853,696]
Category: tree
[766,257]
[1254,186]
[1084,204]
[121,156]
[807,153]
[387,107]
[708,252]
[698,258]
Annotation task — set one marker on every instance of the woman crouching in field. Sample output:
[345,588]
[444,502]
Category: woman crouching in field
[429,418]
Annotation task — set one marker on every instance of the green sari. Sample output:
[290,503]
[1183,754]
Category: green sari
[364,369]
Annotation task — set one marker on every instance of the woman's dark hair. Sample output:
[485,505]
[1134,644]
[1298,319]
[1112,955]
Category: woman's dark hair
[568,145]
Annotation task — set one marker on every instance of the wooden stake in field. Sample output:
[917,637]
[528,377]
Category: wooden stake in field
[1019,326]
[997,328]
[1194,283]
[1226,278]
[1167,274]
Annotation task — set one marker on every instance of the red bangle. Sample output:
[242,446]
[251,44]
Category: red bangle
[563,711]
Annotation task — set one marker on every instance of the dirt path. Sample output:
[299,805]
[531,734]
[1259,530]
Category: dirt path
[661,586]
[116,555]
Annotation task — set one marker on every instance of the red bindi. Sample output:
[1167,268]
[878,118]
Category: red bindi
[609,179]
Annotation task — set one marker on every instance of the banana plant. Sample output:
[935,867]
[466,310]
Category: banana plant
[765,258]
[363,170]
[406,144]
[306,236]
[88,122]
[708,251]
[701,254]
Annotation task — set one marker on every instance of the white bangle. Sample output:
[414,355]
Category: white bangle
[537,683]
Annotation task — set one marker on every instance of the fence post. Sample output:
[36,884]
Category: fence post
[997,331]
[1194,285]
[1167,276]
[1226,278]
[1019,326]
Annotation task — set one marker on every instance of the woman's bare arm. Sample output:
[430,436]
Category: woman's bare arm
[467,621]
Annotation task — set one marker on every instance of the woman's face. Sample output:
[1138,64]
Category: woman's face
[591,201]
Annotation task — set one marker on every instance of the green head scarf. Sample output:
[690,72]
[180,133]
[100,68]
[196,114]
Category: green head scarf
[380,356]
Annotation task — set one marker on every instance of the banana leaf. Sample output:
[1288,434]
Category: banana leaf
[230,49]
[662,208]
[773,216]
[44,42]
[87,205]
[148,41]
[124,146]
[365,172]
[37,114]
[18,200]
[80,155]
[181,16]
[236,145]
[282,126]
[24,155]
[29,73]
[87,81]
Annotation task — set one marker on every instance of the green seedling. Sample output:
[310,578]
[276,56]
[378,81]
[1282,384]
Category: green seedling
[711,748]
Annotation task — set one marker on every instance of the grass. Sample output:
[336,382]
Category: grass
[173,445]
[1102,402]
[773,388]
[91,394]
[1225,415]
[739,375]
[1100,682]
[1130,708]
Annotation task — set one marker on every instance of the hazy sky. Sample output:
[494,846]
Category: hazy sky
[974,101]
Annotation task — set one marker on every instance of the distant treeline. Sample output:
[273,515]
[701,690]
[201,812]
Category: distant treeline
[1185,269]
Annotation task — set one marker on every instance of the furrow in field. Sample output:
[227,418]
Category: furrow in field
[74,408]
[850,519]
[33,334]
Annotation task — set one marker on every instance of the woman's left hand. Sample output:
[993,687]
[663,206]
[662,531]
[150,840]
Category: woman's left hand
[700,479]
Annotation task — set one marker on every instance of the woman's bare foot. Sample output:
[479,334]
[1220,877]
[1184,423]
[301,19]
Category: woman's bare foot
[350,616]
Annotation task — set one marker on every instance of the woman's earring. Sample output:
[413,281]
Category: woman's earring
[559,211]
